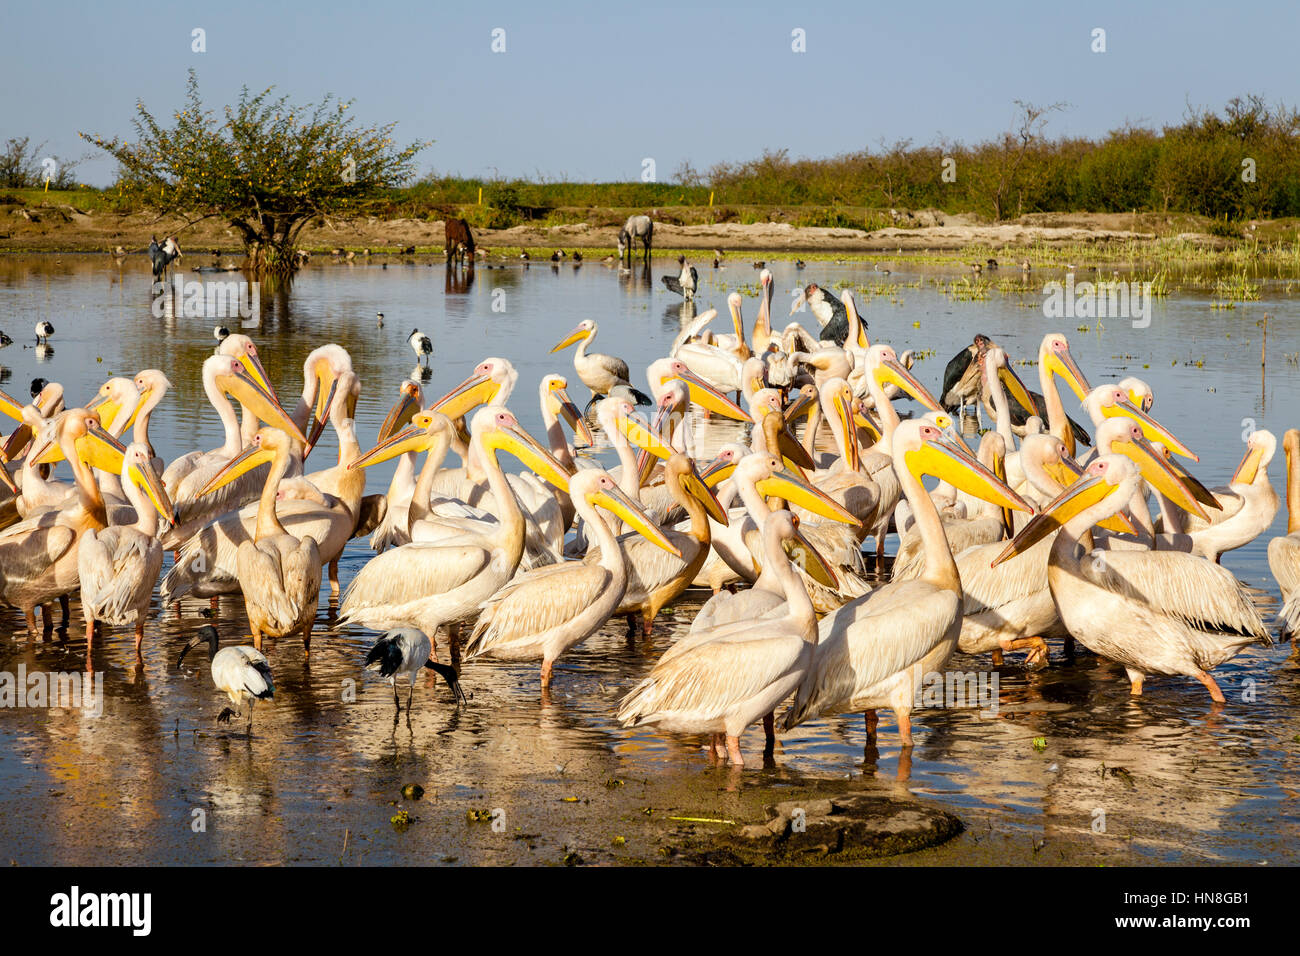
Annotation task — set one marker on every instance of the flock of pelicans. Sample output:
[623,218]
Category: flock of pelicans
[1021,541]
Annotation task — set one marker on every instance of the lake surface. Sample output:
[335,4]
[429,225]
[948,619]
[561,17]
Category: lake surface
[1169,777]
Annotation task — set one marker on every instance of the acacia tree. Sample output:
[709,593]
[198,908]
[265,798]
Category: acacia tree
[269,167]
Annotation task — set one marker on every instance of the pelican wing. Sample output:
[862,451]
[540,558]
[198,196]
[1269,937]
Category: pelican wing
[280,581]
[1284,560]
[117,568]
[536,602]
[988,588]
[870,640]
[27,556]
[707,679]
[1194,590]
[404,575]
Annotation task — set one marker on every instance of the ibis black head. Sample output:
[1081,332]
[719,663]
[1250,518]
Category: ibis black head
[38,386]
[448,673]
[207,634]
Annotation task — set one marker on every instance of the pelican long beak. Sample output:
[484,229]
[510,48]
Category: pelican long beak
[954,464]
[416,439]
[11,407]
[147,480]
[1151,428]
[1080,496]
[1198,490]
[843,403]
[577,335]
[807,557]
[1158,473]
[321,418]
[786,486]
[717,471]
[1016,388]
[16,442]
[253,365]
[642,436]
[7,479]
[890,370]
[706,396]
[695,485]
[569,412]
[1248,469]
[860,420]
[98,449]
[1066,471]
[523,446]
[1063,364]
[615,501]
[244,462]
[468,395]
[407,404]
[801,404]
[245,388]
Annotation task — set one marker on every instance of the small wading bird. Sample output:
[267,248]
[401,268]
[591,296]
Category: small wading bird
[43,332]
[963,376]
[242,673]
[404,652]
[163,256]
[684,283]
[420,343]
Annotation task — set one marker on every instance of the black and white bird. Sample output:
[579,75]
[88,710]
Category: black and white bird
[43,331]
[163,256]
[684,283]
[421,345]
[220,333]
[379,320]
[242,673]
[558,255]
[577,257]
[403,652]
[5,340]
[827,310]
[963,377]
[38,386]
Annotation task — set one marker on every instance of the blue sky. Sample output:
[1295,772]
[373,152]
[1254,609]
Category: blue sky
[587,91]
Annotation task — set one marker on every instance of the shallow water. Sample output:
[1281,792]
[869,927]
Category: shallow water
[1170,777]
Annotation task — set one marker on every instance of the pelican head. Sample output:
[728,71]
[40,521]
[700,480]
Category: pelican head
[1108,401]
[997,365]
[495,429]
[81,431]
[1102,491]
[555,397]
[138,469]
[1054,356]
[1261,446]
[681,469]
[598,488]
[702,393]
[409,399]
[116,402]
[619,414]
[266,446]
[925,450]
[769,477]
[241,347]
[586,329]
[428,430]
[233,377]
[320,374]
[1139,392]
[722,466]
[837,399]
[1124,436]
[491,383]
[882,364]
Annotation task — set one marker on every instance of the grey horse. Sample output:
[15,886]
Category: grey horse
[636,227]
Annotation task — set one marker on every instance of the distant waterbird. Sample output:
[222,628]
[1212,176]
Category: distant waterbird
[163,256]
[43,332]
[420,343]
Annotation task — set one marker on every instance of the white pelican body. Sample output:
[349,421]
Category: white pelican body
[1154,612]
[1284,552]
[874,651]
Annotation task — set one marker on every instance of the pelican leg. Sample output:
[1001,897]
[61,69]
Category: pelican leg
[546,672]
[769,728]
[1135,679]
[90,635]
[47,620]
[257,637]
[904,727]
[214,603]
[306,639]
[872,720]
[647,622]
[997,657]
[30,613]
[63,606]
[139,639]
[733,751]
[1216,695]
[1036,645]
[334,578]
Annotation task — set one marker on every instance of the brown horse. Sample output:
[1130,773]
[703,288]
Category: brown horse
[460,241]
